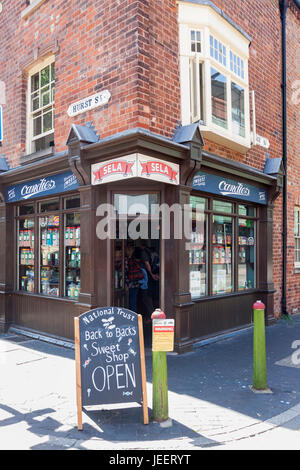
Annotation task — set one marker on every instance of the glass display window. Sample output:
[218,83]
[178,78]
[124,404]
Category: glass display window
[48,235]
[222,254]
[72,255]
[198,257]
[49,255]
[246,254]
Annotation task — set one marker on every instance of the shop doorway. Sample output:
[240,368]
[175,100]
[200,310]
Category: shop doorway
[136,273]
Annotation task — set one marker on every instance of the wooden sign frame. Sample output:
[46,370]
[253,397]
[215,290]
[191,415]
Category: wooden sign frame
[78,372]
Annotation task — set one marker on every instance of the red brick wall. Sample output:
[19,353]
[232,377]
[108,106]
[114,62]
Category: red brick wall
[129,47]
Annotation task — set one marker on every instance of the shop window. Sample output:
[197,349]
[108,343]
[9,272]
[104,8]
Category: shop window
[135,204]
[41,113]
[222,206]
[72,255]
[49,265]
[222,249]
[198,257]
[26,254]
[214,76]
[222,254]
[49,255]
[297,236]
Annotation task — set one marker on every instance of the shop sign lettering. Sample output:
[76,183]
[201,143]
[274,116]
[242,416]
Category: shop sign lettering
[55,184]
[227,189]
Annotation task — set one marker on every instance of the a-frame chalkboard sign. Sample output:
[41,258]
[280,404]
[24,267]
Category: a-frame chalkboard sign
[110,359]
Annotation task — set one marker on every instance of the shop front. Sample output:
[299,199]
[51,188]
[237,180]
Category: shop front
[71,236]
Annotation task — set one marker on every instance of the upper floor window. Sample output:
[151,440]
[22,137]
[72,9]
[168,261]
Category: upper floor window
[214,75]
[41,107]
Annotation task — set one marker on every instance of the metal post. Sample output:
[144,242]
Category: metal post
[259,347]
[159,379]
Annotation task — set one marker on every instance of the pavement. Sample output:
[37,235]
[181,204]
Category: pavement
[211,404]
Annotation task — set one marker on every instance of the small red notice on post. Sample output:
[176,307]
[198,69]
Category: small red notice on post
[163,335]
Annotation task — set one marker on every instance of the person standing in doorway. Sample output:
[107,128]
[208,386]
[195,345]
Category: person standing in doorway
[144,297]
[133,274]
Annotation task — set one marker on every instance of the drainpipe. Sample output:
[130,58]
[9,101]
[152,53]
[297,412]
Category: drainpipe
[283,4]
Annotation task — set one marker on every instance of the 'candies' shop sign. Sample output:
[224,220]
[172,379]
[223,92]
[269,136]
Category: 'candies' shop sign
[133,166]
[230,188]
[49,185]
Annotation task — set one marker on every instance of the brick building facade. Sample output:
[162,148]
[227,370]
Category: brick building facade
[140,52]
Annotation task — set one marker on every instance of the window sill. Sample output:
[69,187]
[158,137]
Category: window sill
[44,296]
[32,157]
[239,144]
[34,5]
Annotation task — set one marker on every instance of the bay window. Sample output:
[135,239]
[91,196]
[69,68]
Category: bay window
[214,76]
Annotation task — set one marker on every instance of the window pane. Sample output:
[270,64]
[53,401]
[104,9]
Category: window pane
[198,257]
[198,202]
[35,102]
[246,210]
[222,206]
[218,98]
[49,206]
[222,256]
[45,96]
[49,255]
[135,204]
[246,257]
[47,122]
[35,82]
[45,76]
[195,41]
[37,126]
[72,202]
[26,209]
[26,255]
[72,255]
[238,109]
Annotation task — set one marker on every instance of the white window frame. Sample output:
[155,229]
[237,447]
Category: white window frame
[33,70]
[297,235]
[210,23]
[31,8]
